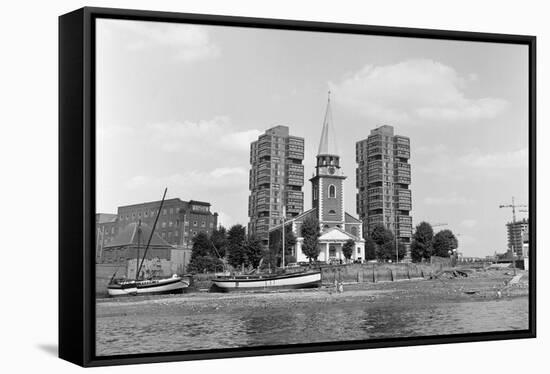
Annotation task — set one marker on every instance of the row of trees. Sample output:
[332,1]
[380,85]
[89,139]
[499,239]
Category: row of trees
[425,244]
[380,245]
[240,249]
[233,245]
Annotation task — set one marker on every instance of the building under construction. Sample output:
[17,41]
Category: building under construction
[518,236]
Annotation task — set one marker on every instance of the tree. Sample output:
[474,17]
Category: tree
[370,249]
[275,249]
[444,243]
[422,242]
[203,264]
[381,235]
[385,244]
[347,248]
[202,258]
[219,241]
[236,237]
[253,251]
[386,251]
[202,246]
[311,233]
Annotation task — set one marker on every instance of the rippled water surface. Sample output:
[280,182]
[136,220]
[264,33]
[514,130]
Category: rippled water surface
[171,330]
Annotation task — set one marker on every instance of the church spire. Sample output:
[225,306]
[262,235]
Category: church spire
[327,145]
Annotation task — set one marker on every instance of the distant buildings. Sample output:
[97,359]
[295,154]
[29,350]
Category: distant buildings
[178,222]
[276,180]
[383,179]
[106,229]
[518,237]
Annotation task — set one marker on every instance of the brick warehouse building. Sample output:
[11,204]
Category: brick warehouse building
[383,178]
[178,222]
[276,180]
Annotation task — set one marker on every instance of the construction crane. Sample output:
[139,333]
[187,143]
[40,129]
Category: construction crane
[513,206]
[511,239]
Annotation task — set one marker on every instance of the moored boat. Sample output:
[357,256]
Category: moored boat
[267,282]
[152,286]
[175,284]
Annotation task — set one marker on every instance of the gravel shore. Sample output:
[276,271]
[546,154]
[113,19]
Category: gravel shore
[479,285]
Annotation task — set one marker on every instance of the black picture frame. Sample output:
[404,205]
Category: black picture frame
[77,183]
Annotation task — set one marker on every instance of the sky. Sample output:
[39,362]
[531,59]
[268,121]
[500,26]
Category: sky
[177,106]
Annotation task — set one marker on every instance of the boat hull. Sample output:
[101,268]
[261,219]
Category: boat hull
[153,287]
[267,283]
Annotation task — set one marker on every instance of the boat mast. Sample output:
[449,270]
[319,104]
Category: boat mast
[284,217]
[152,230]
[138,244]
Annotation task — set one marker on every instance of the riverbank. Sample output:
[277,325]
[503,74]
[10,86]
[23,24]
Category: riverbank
[479,285]
[484,301]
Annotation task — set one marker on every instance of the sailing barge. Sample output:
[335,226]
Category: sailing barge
[152,286]
[267,282]
[173,285]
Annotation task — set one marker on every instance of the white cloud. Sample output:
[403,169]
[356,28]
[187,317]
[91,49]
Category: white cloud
[438,162]
[194,181]
[188,43]
[430,150]
[447,200]
[226,220]
[212,136]
[224,188]
[469,223]
[503,160]
[414,91]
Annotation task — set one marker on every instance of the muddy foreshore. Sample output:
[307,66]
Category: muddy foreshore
[480,286]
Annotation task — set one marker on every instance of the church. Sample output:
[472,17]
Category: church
[336,225]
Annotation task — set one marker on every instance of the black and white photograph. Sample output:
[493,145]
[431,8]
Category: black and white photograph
[267,187]
[261,187]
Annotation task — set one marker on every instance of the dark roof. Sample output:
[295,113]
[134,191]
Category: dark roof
[105,217]
[351,219]
[129,237]
[157,203]
[300,218]
[196,202]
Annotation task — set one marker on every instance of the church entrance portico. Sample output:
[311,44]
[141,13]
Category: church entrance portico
[331,243]
[331,252]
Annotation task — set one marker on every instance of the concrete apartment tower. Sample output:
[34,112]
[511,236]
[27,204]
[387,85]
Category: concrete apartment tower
[276,180]
[383,181]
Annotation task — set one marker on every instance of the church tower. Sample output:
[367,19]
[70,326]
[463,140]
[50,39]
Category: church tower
[328,181]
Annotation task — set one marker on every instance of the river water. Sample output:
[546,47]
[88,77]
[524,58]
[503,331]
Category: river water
[170,330]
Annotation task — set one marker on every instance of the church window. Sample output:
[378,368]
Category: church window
[354,231]
[325,226]
[332,191]
[315,193]
[331,211]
